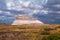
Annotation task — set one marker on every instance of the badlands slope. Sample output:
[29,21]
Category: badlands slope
[20,20]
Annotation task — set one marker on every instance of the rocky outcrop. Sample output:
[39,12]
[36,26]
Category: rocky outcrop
[20,20]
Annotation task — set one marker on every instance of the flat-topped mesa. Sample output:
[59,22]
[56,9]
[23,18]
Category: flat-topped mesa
[20,20]
[24,18]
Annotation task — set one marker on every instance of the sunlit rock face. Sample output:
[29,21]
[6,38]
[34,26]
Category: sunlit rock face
[20,20]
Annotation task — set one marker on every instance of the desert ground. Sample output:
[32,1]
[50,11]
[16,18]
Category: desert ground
[30,32]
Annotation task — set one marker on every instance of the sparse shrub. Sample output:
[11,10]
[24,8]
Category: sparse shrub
[58,27]
[52,37]
[45,33]
[49,29]
[44,38]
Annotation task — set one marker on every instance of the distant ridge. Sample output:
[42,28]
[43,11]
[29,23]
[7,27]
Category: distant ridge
[21,20]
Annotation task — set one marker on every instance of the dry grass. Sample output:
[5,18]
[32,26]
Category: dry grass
[27,32]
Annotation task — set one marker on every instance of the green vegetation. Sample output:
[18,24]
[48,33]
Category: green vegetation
[45,33]
[52,37]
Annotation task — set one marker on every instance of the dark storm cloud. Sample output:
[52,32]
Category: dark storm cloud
[2,4]
[48,13]
[52,2]
[53,15]
[50,18]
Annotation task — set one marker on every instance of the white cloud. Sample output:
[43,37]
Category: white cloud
[36,11]
[8,13]
[8,4]
[44,1]
[40,12]
[2,17]
[54,12]
[21,2]
[58,12]
[1,11]
[26,4]
[57,5]
[11,5]
[10,17]
[5,12]
[44,11]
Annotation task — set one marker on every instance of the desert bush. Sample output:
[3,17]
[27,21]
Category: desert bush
[44,38]
[45,33]
[49,29]
[58,27]
[52,37]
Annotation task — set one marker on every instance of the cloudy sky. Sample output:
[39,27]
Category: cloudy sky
[47,11]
